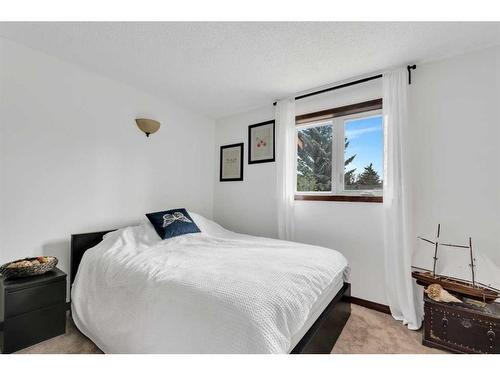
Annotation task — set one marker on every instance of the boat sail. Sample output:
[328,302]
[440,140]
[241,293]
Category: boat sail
[466,288]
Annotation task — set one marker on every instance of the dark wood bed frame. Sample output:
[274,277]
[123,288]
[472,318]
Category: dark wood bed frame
[319,339]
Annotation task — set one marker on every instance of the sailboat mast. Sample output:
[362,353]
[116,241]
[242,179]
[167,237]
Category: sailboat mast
[436,251]
[472,262]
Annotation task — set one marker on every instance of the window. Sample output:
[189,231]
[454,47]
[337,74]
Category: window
[314,157]
[340,153]
[363,153]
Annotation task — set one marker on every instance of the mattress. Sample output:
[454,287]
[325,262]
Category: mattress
[318,307]
[211,292]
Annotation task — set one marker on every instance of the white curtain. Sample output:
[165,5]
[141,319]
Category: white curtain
[285,166]
[402,297]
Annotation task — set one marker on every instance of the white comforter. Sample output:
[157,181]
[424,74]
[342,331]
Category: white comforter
[210,292]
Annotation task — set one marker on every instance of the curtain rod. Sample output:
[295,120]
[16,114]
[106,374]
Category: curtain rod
[357,82]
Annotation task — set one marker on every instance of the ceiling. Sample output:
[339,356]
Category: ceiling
[223,68]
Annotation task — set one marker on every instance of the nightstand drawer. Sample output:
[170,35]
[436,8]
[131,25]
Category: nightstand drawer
[29,299]
[31,328]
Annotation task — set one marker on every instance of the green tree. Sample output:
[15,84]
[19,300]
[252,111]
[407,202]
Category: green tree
[349,175]
[314,159]
[369,178]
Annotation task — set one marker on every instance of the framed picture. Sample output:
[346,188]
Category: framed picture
[231,162]
[261,145]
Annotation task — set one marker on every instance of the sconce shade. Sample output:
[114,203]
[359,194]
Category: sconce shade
[148,126]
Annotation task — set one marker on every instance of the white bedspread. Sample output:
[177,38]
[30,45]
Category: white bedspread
[210,292]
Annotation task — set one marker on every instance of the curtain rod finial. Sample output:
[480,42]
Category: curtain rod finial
[410,68]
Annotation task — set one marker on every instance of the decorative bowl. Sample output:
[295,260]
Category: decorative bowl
[28,267]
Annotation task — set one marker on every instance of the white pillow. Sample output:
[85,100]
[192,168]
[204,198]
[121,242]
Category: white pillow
[206,226]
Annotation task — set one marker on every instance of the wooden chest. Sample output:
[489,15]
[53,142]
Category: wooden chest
[462,328]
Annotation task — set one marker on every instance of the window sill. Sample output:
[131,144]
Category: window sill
[340,198]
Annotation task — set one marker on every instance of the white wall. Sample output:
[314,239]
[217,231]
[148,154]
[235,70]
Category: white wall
[250,206]
[456,159]
[72,159]
[247,206]
[455,163]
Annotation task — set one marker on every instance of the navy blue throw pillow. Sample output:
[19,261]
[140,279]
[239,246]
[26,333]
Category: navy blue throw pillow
[172,223]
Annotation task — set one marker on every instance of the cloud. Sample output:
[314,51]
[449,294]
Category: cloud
[355,133]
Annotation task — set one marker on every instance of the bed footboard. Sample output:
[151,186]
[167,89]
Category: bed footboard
[325,331]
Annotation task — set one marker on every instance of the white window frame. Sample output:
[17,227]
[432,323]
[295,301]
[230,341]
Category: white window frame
[338,150]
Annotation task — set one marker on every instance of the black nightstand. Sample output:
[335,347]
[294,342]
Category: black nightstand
[32,310]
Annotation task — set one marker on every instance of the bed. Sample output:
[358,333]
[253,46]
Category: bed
[211,292]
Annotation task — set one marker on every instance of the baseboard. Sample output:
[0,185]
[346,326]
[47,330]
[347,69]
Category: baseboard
[369,304]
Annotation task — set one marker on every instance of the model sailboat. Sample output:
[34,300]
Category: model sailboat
[465,288]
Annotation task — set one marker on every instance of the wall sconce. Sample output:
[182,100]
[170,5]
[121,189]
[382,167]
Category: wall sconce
[148,126]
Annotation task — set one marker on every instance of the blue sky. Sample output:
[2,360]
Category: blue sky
[366,139]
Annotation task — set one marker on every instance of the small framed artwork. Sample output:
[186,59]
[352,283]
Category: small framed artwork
[231,162]
[261,145]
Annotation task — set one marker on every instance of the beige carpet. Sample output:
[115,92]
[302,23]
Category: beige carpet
[371,332]
[366,332]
